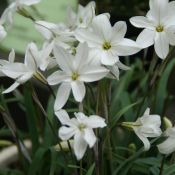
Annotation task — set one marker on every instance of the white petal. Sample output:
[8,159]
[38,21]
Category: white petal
[62,96]
[122,66]
[11,88]
[119,31]
[126,47]
[45,28]
[30,60]
[14,70]
[95,121]
[78,89]
[3,33]
[22,79]
[147,111]
[170,33]
[108,58]
[84,35]
[63,116]
[65,133]
[144,140]
[158,9]
[80,145]
[90,137]
[12,56]
[161,45]
[30,2]
[92,73]
[102,27]
[142,22]
[81,57]
[64,59]
[167,147]
[58,77]
[146,38]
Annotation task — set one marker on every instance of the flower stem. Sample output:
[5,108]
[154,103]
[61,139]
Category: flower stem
[162,165]
[81,167]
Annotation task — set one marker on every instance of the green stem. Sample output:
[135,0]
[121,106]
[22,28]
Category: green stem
[81,167]
[162,165]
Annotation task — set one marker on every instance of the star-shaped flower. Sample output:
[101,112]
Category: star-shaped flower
[22,72]
[75,71]
[81,128]
[107,42]
[159,27]
[146,126]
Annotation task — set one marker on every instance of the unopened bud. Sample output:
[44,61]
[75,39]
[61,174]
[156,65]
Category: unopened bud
[167,122]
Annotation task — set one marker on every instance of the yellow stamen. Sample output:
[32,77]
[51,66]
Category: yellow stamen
[106,45]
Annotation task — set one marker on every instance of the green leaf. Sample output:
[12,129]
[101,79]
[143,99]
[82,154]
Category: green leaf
[122,112]
[162,88]
[91,169]
[31,117]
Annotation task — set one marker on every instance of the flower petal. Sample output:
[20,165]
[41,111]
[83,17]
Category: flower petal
[65,133]
[30,2]
[11,88]
[143,139]
[119,31]
[146,38]
[80,145]
[45,29]
[171,34]
[95,121]
[92,73]
[102,27]
[84,35]
[161,45]
[12,56]
[63,58]
[142,22]
[90,137]
[58,77]
[15,70]
[167,147]
[63,116]
[62,96]
[78,89]
[108,58]
[3,33]
[81,57]
[126,47]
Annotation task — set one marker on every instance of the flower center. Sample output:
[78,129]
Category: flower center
[81,126]
[106,45]
[159,28]
[75,76]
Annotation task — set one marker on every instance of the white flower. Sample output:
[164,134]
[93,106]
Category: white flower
[57,33]
[83,18]
[42,57]
[146,126]
[3,33]
[159,25]
[81,128]
[7,16]
[168,146]
[22,72]
[11,59]
[107,42]
[75,70]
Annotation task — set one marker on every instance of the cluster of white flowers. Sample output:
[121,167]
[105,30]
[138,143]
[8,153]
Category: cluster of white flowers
[86,49]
